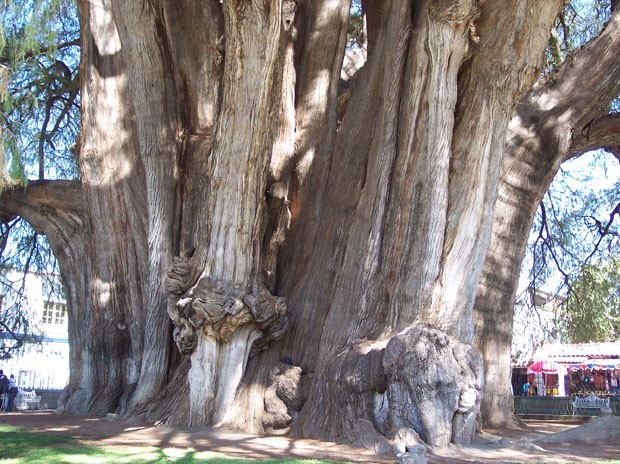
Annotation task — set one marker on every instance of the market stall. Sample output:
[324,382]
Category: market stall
[573,370]
[547,378]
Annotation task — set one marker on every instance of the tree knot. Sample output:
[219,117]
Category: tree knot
[182,274]
[219,309]
[288,13]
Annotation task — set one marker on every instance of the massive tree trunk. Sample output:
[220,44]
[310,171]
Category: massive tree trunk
[405,224]
[558,119]
[224,189]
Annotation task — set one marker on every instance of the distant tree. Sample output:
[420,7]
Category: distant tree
[576,226]
[577,223]
[18,325]
[592,310]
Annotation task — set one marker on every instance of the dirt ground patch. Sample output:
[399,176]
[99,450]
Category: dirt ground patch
[550,442]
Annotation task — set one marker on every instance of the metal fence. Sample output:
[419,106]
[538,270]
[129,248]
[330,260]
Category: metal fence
[556,406]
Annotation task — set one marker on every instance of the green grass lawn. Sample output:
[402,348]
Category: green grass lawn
[18,446]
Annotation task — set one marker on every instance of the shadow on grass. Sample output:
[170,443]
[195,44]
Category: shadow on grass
[23,446]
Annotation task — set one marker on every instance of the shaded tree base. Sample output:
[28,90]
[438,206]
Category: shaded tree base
[419,387]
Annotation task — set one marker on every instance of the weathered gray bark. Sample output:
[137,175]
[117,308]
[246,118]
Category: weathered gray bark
[220,176]
[228,308]
[553,123]
[128,158]
[381,218]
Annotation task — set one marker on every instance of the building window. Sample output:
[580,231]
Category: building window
[54,313]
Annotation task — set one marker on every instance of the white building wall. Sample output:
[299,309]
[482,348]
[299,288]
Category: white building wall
[45,365]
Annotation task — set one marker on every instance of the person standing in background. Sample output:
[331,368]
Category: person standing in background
[4,390]
[13,391]
[614,383]
[526,388]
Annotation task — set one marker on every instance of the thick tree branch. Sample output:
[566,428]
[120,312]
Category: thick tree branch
[46,205]
[602,133]
[586,82]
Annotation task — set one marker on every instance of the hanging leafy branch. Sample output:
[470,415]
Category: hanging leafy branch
[16,321]
[40,103]
[577,236]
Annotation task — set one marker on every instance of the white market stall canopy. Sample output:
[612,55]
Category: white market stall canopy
[579,356]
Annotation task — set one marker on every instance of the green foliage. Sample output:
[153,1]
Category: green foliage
[39,89]
[577,220]
[356,33]
[592,310]
[18,446]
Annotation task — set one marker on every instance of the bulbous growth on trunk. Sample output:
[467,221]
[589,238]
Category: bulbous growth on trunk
[218,309]
[419,386]
[219,325]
